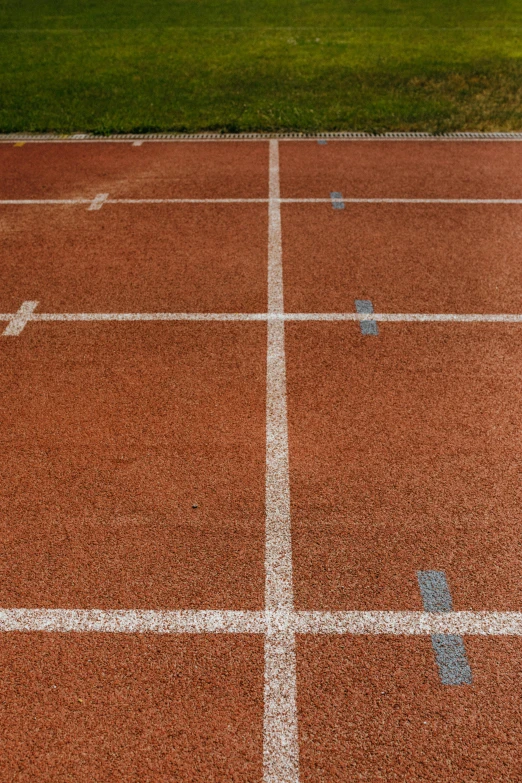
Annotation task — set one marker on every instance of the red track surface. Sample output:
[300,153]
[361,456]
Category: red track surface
[161,257]
[371,709]
[405,456]
[135,458]
[389,169]
[191,170]
[430,258]
[111,434]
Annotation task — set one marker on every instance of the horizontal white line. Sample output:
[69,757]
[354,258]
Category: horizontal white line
[389,317]
[130,201]
[187,201]
[400,317]
[148,317]
[402,200]
[220,621]
[410,623]
[44,201]
[61,201]
[131,621]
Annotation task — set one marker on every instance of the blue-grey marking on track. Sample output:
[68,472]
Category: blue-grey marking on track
[337,200]
[436,596]
[449,649]
[452,661]
[322,141]
[366,307]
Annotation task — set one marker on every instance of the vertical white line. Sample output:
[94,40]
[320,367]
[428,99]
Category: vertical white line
[280,736]
[275,251]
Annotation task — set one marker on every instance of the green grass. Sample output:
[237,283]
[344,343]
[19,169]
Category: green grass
[246,65]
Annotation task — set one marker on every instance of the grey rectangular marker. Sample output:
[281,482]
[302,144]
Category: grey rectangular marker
[435,592]
[337,200]
[452,661]
[321,141]
[365,306]
[449,649]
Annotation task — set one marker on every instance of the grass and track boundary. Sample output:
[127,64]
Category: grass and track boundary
[341,136]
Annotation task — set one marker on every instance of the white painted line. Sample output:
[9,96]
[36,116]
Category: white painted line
[278,553]
[409,317]
[98,201]
[276,623]
[29,202]
[402,200]
[275,251]
[18,320]
[131,621]
[187,201]
[410,623]
[280,734]
[137,143]
[148,317]
[278,317]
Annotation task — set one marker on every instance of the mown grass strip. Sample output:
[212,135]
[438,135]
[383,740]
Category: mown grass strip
[212,65]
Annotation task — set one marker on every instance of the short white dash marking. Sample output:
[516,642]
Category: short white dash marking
[98,201]
[137,143]
[18,321]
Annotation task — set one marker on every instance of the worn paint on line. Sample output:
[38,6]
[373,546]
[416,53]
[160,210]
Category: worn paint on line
[364,306]
[337,200]
[98,201]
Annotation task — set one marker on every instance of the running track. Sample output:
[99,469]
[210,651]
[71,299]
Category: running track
[261,475]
